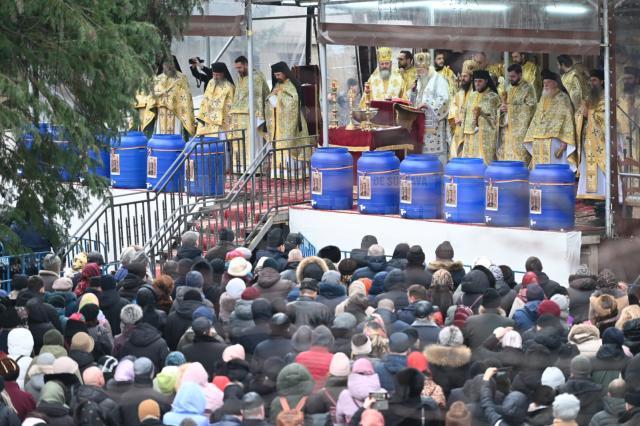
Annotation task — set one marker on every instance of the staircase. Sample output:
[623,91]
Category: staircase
[251,200]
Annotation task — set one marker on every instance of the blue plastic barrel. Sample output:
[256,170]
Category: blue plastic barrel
[421,187]
[463,190]
[61,141]
[205,170]
[102,158]
[332,179]
[162,151]
[552,197]
[506,185]
[128,163]
[378,183]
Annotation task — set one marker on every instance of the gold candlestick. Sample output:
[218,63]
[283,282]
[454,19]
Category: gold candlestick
[333,122]
[351,125]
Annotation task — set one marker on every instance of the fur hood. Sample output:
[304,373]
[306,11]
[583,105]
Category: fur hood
[309,261]
[583,333]
[449,265]
[448,356]
[629,313]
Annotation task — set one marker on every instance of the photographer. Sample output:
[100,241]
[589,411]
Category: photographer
[201,73]
[513,410]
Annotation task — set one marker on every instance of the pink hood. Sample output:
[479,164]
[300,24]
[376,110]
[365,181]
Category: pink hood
[359,385]
[196,373]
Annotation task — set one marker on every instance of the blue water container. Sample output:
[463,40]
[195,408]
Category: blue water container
[378,183]
[61,141]
[102,158]
[332,179]
[162,151]
[128,162]
[552,197]
[205,169]
[421,187]
[463,190]
[506,188]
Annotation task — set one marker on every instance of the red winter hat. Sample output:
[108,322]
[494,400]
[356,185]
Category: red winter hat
[221,382]
[529,278]
[418,361]
[548,307]
[250,293]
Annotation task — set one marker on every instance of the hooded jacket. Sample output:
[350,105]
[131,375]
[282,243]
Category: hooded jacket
[375,264]
[360,383]
[449,365]
[146,341]
[129,286]
[272,286]
[613,408]
[473,286]
[111,303]
[314,261]
[589,394]
[580,289]
[20,347]
[387,367]
[196,373]
[455,268]
[587,338]
[108,407]
[293,383]
[512,412]
[179,321]
[189,403]
[52,403]
[39,322]
[526,317]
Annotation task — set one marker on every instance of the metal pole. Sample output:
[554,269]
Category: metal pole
[224,48]
[324,105]
[505,60]
[607,118]
[251,131]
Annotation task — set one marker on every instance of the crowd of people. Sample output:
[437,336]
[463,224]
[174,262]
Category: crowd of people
[270,337]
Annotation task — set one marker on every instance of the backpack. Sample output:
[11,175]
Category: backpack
[289,417]
[462,313]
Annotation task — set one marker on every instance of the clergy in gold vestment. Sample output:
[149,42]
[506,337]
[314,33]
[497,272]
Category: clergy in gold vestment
[445,70]
[214,115]
[283,109]
[145,116]
[495,70]
[408,71]
[519,108]
[457,107]
[593,161]
[384,82]
[240,109]
[573,80]
[481,119]
[530,71]
[551,138]
[171,103]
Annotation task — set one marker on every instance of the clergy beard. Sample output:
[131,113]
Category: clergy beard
[465,86]
[547,93]
[385,74]
[594,95]
[481,91]
[243,73]
[438,67]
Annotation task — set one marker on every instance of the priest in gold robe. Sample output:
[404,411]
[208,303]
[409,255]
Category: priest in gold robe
[408,71]
[458,105]
[171,104]
[440,64]
[240,110]
[517,110]
[573,80]
[530,71]
[551,138]
[481,119]
[286,124]
[214,116]
[593,161]
[495,70]
[145,116]
[384,83]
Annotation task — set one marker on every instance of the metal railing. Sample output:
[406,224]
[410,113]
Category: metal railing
[25,263]
[207,168]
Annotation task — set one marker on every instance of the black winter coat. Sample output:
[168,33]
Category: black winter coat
[306,311]
[128,287]
[277,346]
[111,304]
[207,351]
[589,394]
[449,365]
[58,414]
[108,407]
[478,328]
[580,289]
[179,321]
[145,340]
[129,401]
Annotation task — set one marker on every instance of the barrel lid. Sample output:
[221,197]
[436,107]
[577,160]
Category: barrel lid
[166,142]
[561,173]
[378,154]
[130,140]
[332,149]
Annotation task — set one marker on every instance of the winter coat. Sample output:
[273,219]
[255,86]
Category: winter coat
[83,359]
[289,272]
[317,361]
[492,349]
[70,301]
[427,332]
[512,412]
[470,395]
[274,346]
[449,365]
[48,278]
[479,327]
[473,287]
[375,264]
[613,408]
[20,347]
[219,251]
[128,287]
[207,351]
[397,295]
[179,321]
[307,261]
[631,332]
[146,341]
[272,286]
[409,412]
[185,252]
[455,268]
[507,295]
[142,389]
[108,407]
[103,340]
[293,383]
[589,394]
[39,323]
[580,290]
[111,304]
[387,367]
[351,399]
[526,317]
[273,253]
[306,311]
[241,318]
[22,401]
[331,295]
[7,416]
[35,380]
[607,365]
[622,301]
[587,338]
[58,414]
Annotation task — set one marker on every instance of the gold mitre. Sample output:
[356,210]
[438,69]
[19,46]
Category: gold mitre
[384,54]
[469,66]
[422,60]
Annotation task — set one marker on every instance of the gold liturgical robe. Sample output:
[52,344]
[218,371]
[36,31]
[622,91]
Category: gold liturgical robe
[481,142]
[450,76]
[457,113]
[383,89]
[576,84]
[497,71]
[409,77]
[214,116]
[282,120]
[171,99]
[521,104]
[593,159]
[145,116]
[552,124]
[531,74]
[627,115]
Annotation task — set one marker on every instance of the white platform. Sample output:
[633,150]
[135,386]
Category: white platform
[558,251]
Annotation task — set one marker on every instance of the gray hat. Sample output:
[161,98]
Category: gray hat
[194,279]
[552,377]
[143,367]
[566,407]
[580,366]
[321,336]
[399,343]
[345,321]
[331,277]
[301,339]
[130,314]
[451,336]
[251,400]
